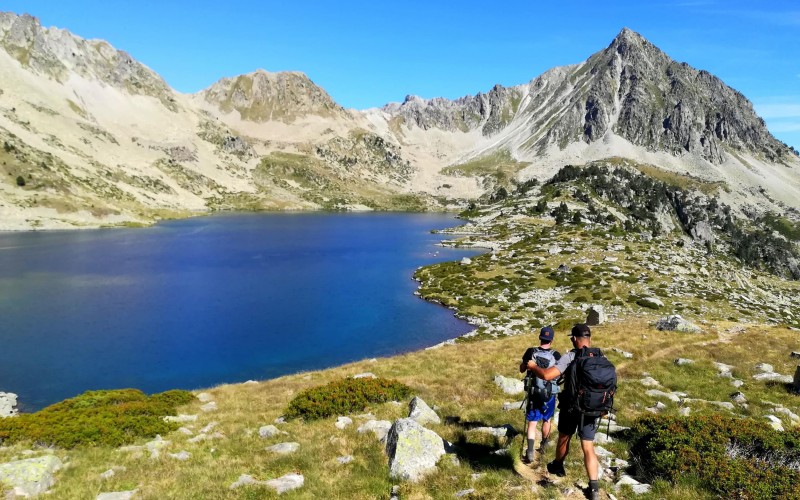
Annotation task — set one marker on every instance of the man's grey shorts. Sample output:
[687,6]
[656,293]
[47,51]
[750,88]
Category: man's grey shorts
[570,421]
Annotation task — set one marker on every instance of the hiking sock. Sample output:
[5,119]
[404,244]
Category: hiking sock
[594,485]
[529,453]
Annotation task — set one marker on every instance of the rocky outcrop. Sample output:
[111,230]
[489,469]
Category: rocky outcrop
[675,323]
[31,477]
[420,412]
[262,96]
[8,403]
[413,450]
[57,53]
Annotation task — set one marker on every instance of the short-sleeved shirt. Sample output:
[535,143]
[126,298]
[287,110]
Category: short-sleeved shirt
[563,362]
[529,354]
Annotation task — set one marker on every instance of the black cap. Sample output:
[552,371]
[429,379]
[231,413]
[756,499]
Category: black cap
[580,330]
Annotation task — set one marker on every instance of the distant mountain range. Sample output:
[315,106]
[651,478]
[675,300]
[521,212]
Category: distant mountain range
[93,137]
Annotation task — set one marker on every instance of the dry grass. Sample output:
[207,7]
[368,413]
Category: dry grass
[457,380]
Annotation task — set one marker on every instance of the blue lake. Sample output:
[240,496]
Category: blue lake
[199,302]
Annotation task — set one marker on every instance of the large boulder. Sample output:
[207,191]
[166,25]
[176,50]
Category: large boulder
[8,400]
[420,412]
[31,477]
[595,315]
[509,385]
[413,450]
[675,323]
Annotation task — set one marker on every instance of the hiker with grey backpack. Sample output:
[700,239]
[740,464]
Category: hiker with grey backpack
[590,381]
[540,395]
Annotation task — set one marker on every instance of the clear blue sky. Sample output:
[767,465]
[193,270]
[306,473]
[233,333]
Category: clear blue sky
[368,53]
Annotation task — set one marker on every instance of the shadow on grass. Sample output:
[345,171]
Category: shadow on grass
[480,456]
[788,387]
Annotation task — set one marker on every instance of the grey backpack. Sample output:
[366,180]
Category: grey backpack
[542,390]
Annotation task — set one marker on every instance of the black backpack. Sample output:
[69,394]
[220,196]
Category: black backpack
[591,382]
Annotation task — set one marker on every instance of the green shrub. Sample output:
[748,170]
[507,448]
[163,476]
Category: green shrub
[731,457]
[344,396]
[97,418]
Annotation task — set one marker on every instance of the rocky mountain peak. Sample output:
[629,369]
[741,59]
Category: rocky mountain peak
[58,54]
[262,96]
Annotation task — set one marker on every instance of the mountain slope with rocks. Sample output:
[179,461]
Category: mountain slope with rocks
[92,137]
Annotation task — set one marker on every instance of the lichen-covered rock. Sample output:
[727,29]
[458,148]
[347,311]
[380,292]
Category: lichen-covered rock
[413,450]
[268,431]
[117,495]
[284,448]
[509,385]
[675,323]
[8,401]
[420,412]
[343,422]
[379,427]
[30,477]
[286,483]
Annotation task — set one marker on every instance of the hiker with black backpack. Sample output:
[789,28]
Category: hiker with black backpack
[590,381]
[540,395]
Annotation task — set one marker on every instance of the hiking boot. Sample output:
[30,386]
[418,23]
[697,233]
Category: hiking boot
[528,458]
[594,494]
[556,468]
[544,444]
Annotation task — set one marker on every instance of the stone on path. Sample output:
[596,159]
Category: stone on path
[765,368]
[786,379]
[683,361]
[284,448]
[672,396]
[30,477]
[343,422]
[155,446]
[8,400]
[117,495]
[624,354]
[182,455]
[379,427]
[420,412]
[345,459]
[596,315]
[649,382]
[413,450]
[210,406]
[502,431]
[205,397]
[636,486]
[268,431]
[181,418]
[675,323]
[286,483]
[516,405]
[509,385]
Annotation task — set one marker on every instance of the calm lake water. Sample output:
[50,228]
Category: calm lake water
[199,302]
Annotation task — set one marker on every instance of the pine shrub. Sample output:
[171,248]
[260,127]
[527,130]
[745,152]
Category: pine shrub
[731,457]
[344,396]
[97,418]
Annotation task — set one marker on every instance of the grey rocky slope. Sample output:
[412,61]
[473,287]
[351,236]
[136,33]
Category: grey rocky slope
[93,137]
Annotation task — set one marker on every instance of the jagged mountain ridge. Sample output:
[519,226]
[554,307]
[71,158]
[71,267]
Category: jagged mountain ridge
[125,146]
[631,88]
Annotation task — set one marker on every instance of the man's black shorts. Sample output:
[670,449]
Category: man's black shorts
[570,421]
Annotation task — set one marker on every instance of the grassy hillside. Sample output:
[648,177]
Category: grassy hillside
[457,380]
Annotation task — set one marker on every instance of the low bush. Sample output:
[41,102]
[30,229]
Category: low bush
[344,396]
[97,418]
[731,457]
